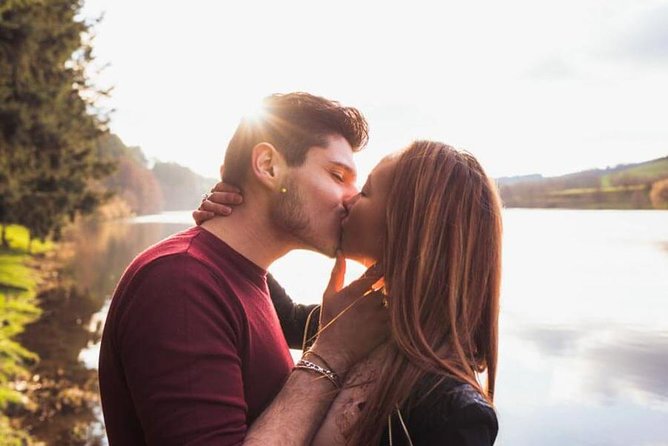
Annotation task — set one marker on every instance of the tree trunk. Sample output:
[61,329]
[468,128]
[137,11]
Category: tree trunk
[5,243]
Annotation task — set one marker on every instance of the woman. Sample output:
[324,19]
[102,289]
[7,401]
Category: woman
[432,216]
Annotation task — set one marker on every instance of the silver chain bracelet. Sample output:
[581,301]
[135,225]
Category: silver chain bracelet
[329,374]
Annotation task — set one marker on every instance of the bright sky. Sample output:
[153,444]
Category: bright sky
[527,86]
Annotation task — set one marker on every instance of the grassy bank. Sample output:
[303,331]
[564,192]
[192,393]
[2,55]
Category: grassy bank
[630,186]
[20,280]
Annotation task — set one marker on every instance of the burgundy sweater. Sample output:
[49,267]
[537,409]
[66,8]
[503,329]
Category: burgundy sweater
[192,349]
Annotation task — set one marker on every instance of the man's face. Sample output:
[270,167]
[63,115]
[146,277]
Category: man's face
[310,205]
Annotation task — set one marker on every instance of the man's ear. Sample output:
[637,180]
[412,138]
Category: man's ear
[267,165]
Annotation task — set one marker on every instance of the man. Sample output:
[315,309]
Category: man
[192,350]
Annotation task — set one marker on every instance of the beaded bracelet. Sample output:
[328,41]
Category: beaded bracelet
[330,375]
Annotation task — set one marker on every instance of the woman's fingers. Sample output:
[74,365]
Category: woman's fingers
[338,275]
[336,298]
[215,208]
[224,198]
[202,216]
[354,320]
[218,202]
[224,187]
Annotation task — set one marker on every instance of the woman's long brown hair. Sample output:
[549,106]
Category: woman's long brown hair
[442,257]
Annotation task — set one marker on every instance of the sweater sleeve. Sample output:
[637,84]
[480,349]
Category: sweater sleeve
[292,316]
[179,344]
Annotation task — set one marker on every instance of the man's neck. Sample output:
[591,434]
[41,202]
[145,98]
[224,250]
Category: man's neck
[251,235]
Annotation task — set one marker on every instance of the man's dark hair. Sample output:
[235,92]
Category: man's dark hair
[293,123]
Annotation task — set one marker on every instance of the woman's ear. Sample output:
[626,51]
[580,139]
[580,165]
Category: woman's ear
[267,165]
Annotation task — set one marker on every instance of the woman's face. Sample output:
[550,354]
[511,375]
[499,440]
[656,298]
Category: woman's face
[363,228]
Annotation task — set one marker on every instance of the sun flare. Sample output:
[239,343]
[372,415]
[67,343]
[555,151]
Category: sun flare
[255,113]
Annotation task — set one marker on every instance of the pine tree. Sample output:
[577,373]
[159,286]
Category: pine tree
[48,116]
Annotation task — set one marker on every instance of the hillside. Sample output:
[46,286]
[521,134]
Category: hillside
[139,188]
[630,186]
[182,189]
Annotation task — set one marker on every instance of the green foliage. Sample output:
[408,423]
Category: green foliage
[48,116]
[18,238]
[10,436]
[13,356]
[18,285]
[622,187]
[49,168]
[640,173]
[8,396]
[14,273]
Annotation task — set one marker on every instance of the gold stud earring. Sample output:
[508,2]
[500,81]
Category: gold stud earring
[283,190]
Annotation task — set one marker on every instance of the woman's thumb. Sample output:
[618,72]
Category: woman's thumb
[338,275]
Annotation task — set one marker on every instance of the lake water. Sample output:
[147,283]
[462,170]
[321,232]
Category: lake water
[584,319]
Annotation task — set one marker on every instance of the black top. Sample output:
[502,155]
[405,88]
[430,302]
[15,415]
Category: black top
[292,316]
[452,414]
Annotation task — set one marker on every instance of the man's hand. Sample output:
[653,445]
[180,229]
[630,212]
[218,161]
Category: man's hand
[353,319]
[218,202]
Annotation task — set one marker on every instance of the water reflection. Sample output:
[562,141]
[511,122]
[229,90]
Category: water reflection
[103,251]
[633,362]
[583,345]
[66,337]
[583,386]
[612,362]
[584,340]
[66,388]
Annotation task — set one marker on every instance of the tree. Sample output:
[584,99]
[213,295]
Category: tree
[137,186]
[658,195]
[49,119]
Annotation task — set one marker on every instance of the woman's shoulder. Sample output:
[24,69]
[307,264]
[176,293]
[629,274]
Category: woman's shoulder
[442,408]
[449,392]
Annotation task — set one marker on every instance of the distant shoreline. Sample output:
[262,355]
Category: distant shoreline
[629,187]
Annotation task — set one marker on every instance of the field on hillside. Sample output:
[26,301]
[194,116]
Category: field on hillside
[621,187]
